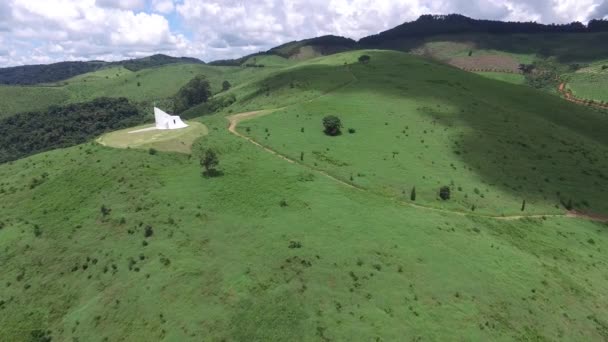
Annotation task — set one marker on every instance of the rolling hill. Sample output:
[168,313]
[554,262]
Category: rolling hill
[310,237]
[48,73]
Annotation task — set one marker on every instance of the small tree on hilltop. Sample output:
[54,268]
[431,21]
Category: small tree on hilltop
[226,85]
[364,59]
[444,193]
[209,161]
[332,125]
[413,194]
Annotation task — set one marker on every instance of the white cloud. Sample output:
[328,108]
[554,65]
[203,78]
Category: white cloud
[163,6]
[122,4]
[52,30]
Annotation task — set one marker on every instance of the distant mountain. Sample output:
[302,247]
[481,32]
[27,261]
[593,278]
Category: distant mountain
[47,73]
[425,26]
[301,49]
[432,25]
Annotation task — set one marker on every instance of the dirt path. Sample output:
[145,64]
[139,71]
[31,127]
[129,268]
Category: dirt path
[235,119]
[566,94]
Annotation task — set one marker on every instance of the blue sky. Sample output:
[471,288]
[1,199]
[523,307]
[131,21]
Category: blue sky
[45,31]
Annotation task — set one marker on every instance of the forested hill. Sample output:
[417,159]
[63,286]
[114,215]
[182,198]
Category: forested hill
[47,73]
[425,26]
[431,25]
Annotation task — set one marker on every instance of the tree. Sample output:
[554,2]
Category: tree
[195,92]
[526,68]
[364,59]
[523,205]
[332,125]
[210,161]
[444,193]
[413,194]
[226,85]
[139,84]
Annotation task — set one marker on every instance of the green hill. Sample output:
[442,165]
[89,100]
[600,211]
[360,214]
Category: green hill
[47,73]
[106,244]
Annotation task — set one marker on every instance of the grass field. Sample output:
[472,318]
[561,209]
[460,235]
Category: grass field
[590,82]
[101,243]
[505,77]
[17,98]
[179,140]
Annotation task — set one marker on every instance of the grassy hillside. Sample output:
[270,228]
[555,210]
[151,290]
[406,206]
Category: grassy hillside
[426,125]
[145,86]
[107,244]
[223,258]
[25,98]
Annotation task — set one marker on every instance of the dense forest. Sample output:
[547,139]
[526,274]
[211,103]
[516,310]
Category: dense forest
[29,133]
[430,25]
[48,73]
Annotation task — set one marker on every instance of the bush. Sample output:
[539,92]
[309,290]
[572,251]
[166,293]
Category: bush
[413,194]
[604,67]
[332,125]
[226,85]
[444,193]
[352,131]
[152,151]
[209,161]
[364,59]
[105,211]
[148,231]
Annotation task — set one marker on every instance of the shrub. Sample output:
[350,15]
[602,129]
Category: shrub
[295,244]
[226,85]
[444,193]
[283,203]
[139,84]
[413,194]
[148,231]
[152,151]
[352,131]
[523,205]
[105,211]
[604,67]
[209,161]
[332,125]
[364,59]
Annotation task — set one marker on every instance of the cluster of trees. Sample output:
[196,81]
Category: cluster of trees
[29,133]
[195,92]
[430,25]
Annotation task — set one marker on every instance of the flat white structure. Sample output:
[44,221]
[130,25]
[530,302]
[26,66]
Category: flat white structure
[166,121]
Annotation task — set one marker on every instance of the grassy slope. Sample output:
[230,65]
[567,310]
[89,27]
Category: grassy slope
[218,265]
[156,84]
[427,125]
[505,77]
[590,82]
[24,99]
[367,268]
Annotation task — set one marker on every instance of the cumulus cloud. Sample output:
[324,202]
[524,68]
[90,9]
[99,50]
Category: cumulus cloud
[122,4]
[51,30]
[163,6]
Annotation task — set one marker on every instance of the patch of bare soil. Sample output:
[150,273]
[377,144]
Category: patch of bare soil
[495,63]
